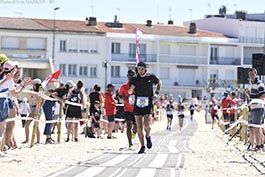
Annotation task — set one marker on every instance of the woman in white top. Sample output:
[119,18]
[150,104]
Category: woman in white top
[10,69]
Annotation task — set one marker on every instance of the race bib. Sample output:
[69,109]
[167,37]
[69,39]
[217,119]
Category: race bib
[142,102]
[169,112]
[131,99]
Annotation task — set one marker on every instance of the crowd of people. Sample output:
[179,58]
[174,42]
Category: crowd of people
[133,106]
[229,108]
[98,111]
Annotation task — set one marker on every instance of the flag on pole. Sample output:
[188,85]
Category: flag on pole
[51,78]
[139,34]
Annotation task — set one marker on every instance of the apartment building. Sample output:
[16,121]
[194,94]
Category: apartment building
[249,29]
[184,58]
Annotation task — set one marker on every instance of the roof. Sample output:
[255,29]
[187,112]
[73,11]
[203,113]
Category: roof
[21,23]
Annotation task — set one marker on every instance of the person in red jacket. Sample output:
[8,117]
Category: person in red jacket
[128,108]
[225,104]
[110,108]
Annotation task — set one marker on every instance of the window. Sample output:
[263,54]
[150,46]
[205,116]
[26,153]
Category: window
[164,73]
[62,45]
[115,71]
[36,44]
[63,68]
[83,70]
[72,45]
[115,48]
[165,49]
[10,43]
[132,51]
[93,71]
[187,50]
[72,69]
[93,46]
[214,54]
[83,46]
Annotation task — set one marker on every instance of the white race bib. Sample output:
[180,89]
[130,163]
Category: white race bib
[142,102]
[131,99]
[169,112]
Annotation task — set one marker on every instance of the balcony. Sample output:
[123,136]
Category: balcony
[254,40]
[247,61]
[183,59]
[225,61]
[127,57]
[119,80]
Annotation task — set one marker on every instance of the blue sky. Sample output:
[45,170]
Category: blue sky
[136,11]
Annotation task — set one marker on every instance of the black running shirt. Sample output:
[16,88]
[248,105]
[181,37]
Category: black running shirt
[144,85]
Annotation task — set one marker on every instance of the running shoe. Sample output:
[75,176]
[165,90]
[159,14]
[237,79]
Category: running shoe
[142,150]
[133,135]
[2,154]
[67,140]
[131,148]
[149,142]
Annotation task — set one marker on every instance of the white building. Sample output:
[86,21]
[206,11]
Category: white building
[184,58]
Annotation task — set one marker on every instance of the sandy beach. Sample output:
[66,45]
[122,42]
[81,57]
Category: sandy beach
[211,156]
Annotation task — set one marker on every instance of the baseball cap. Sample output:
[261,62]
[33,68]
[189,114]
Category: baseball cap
[9,64]
[3,58]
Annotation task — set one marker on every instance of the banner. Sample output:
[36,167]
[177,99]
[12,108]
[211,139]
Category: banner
[139,34]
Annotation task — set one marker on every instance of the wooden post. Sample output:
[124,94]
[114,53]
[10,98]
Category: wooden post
[60,123]
[36,123]
[243,133]
[3,143]
[234,130]
[222,126]
[86,126]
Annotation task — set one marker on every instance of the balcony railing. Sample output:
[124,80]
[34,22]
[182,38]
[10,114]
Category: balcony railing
[225,61]
[181,59]
[127,57]
[247,61]
[243,39]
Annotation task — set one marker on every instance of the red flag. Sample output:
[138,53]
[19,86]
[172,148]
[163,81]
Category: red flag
[51,78]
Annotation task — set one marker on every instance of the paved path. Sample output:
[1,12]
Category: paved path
[165,159]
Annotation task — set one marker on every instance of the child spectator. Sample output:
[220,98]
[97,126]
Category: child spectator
[96,119]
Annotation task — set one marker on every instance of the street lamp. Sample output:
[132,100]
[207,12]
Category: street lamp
[53,34]
[105,65]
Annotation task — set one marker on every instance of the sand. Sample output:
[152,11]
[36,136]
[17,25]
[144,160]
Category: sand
[211,155]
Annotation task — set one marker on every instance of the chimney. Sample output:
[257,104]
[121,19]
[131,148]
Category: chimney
[170,22]
[149,23]
[240,15]
[192,28]
[91,21]
[116,19]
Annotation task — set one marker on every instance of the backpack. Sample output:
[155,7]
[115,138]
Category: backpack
[89,132]
[76,96]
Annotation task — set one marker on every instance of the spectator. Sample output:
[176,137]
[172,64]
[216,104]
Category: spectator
[110,109]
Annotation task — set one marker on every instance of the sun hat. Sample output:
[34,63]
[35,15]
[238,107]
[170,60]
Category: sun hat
[3,58]
[70,83]
[9,64]
[36,81]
